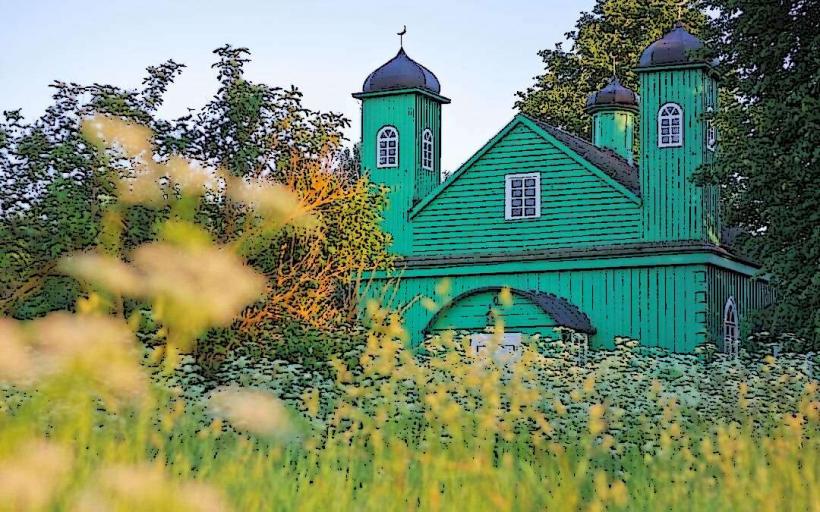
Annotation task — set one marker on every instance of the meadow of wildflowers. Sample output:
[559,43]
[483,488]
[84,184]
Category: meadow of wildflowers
[91,419]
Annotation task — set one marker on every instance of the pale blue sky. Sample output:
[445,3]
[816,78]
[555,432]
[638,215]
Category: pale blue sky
[481,51]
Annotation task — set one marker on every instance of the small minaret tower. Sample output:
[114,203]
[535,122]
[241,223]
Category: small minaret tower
[677,89]
[613,110]
[401,139]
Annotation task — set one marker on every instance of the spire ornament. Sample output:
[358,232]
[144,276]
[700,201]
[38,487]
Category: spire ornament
[401,35]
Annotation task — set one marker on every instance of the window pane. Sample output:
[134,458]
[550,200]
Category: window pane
[530,212]
[516,202]
[516,192]
[530,192]
[515,212]
[529,182]
[516,183]
[529,201]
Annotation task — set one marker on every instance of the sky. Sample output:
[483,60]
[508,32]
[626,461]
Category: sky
[481,51]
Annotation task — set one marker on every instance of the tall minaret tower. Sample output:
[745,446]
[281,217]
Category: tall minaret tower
[677,89]
[401,139]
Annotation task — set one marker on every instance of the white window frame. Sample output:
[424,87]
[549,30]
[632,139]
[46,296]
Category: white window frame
[662,116]
[711,131]
[427,148]
[731,328]
[508,196]
[387,141]
[508,349]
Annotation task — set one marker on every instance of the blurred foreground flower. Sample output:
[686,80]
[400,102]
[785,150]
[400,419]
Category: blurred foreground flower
[253,411]
[98,348]
[148,488]
[32,474]
[196,287]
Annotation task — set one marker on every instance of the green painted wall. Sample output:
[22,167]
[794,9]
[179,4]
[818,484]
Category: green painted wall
[615,130]
[675,208]
[749,294]
[410,113]
[663,305]
[578,208]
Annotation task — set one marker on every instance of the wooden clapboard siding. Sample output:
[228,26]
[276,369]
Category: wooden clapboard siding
[578,208]
[674,207]
[660,305]
[410,112]
[750,294]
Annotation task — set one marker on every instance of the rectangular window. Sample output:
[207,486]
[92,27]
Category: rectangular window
[523,196]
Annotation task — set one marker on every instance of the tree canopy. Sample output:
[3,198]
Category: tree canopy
[57,188]
[768,160]
[611,36]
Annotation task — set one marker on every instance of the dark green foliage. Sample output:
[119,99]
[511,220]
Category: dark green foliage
[290,341]
[614,29]
[768,162]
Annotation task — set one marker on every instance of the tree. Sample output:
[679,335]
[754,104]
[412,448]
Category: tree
[57,188]
[768,161]
[613,34]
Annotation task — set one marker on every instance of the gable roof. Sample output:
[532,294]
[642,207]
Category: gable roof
[605,163]
[604,159]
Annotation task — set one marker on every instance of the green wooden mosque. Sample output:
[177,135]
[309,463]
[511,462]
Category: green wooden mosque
[584,234]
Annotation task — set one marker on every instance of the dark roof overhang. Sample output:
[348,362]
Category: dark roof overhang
[562,312]
[413,90]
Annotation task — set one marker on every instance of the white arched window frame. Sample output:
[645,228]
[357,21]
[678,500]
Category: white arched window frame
[387,146]
[731,328]
[711,131]
[670,126]
[427,150]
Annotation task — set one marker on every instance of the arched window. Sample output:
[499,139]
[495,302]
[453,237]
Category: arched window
[427,150]
[731,328]
[387,141]
[670,126]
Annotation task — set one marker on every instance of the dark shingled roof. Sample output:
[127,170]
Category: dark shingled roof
[606,160]
[401,72]
[562,312]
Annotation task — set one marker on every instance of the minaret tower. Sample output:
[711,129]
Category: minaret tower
[613,110]
[401,139]
[677,89]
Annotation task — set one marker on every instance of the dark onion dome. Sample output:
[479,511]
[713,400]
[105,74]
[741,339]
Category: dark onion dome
[673,48]
[613,95]
[401,72]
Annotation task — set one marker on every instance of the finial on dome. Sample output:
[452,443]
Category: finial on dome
[401,36]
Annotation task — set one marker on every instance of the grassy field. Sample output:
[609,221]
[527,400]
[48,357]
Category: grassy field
[85,427]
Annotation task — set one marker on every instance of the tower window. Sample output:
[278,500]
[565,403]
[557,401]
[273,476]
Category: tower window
[731,329]
[387,141]
[523,196]
[427,150]
[670,126]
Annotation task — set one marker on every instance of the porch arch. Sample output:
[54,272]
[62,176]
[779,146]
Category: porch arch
[531,310]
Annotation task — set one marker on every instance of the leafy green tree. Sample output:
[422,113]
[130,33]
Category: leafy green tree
[613,34]
[768,161]
[57,187]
